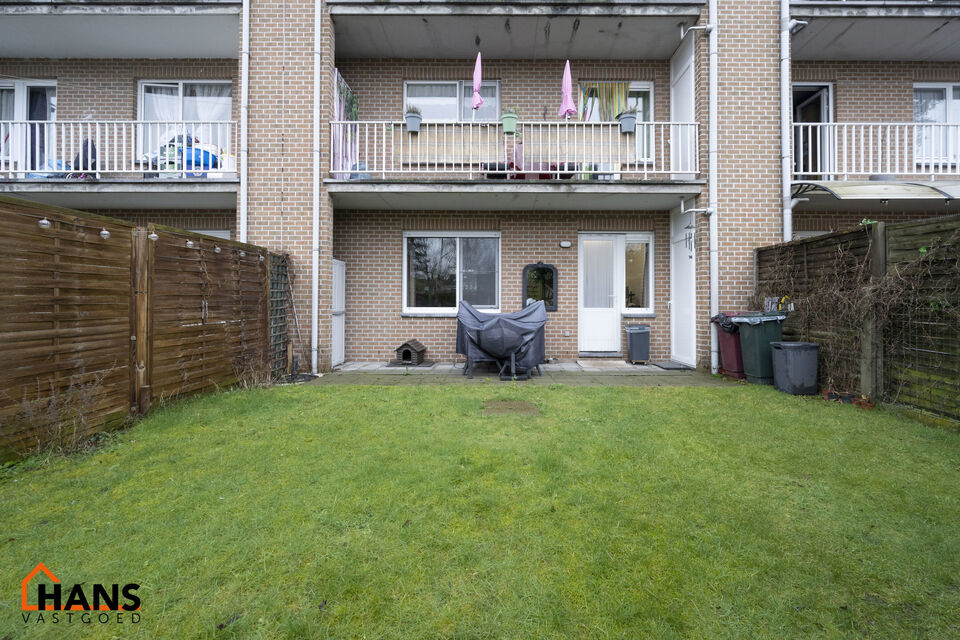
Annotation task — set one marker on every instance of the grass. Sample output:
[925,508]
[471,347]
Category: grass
[404,512]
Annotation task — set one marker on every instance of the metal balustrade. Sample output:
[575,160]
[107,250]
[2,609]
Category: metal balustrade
[36,150]
[842,150]
[537,151]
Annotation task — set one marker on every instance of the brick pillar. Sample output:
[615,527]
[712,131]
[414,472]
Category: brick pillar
[281,159]
[749,140]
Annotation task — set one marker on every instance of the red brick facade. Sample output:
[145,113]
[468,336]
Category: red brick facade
[370,243]
[281,188]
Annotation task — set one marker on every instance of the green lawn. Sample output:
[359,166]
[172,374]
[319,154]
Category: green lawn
[404,512]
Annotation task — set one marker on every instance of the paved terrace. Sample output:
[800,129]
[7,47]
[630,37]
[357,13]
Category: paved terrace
[588,373]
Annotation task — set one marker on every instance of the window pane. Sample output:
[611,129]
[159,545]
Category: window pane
[541,286]
[207,101]
[637,273]
[929,105]
[489,111]
[640,98]
[478,263]
[431,272]
[161,102]
[6,104]
[599,291]
[437,101]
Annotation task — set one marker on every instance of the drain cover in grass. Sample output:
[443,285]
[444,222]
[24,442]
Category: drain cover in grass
[509,407]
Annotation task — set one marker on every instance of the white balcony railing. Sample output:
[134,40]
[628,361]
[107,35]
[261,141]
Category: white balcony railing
[36,150]
[842,151]
[538,151]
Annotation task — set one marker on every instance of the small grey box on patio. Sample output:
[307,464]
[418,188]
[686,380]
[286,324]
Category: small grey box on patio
[638,342]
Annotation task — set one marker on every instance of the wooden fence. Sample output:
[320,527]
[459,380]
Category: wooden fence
[100,318]
[883,301]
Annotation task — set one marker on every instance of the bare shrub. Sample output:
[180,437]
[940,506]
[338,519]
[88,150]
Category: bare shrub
[254,371]
[59,420]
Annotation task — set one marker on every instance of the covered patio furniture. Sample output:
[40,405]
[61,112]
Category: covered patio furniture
[515,341]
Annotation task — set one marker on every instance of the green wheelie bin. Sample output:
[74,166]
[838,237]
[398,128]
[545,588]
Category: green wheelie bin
[757,330]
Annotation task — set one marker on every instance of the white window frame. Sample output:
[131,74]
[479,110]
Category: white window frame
[647,237]
[142,83]
[15,150]
[951,155]
[430,311]
[460,85]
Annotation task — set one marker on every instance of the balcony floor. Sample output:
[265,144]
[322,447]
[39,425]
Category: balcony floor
[126,193]
[511,195]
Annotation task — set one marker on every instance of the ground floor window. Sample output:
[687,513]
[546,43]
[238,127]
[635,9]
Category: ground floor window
[442,268]
[638,272]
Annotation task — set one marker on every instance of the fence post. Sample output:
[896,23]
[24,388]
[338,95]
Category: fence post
[143,275]
[871,343]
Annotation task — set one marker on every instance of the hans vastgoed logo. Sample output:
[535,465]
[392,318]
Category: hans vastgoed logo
[53,603]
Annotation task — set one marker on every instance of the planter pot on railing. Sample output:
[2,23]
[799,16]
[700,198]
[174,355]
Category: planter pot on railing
[509,121]
[628,122]
[413,122]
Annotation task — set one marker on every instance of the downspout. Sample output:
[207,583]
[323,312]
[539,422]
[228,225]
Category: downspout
[786,105]
[315,229]
[713,168]
[244,104]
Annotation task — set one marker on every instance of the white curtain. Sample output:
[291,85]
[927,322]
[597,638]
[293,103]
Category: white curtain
[161,103]
[208,102]
[598,276]
[6,103]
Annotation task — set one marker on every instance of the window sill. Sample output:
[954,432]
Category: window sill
[638,314]
[428,314]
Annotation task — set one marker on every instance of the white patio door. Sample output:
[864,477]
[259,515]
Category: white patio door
[683,289]
[600,291]
[339,312]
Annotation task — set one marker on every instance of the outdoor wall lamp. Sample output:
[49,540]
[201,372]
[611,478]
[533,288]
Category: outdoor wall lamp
[565,244]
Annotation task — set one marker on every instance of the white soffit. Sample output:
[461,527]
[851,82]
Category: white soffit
[870,37]
[504,31]
[119,35]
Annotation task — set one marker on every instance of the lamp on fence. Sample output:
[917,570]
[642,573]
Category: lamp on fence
[261,258]
[243,254]
[216,249]
[44,224]
[104,234]
[189,244]
[153,236]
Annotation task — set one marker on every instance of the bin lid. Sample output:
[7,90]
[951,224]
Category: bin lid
[638,328]
[795,345]
[757,317]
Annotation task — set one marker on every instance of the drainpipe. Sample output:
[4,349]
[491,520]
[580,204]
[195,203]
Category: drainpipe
[244,103]
[315,230]
[786,104]
[713,168]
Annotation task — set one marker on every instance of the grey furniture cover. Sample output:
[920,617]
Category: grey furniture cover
[493,337]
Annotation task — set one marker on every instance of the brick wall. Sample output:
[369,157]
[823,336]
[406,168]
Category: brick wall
[874,91]
[280,172]
[107,89]
[371,245]
[181,219]
[749,138]
[532,86]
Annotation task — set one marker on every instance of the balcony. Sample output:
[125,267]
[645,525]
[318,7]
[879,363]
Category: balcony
[116,163]
[873,167]
[851,151]
[543,166]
